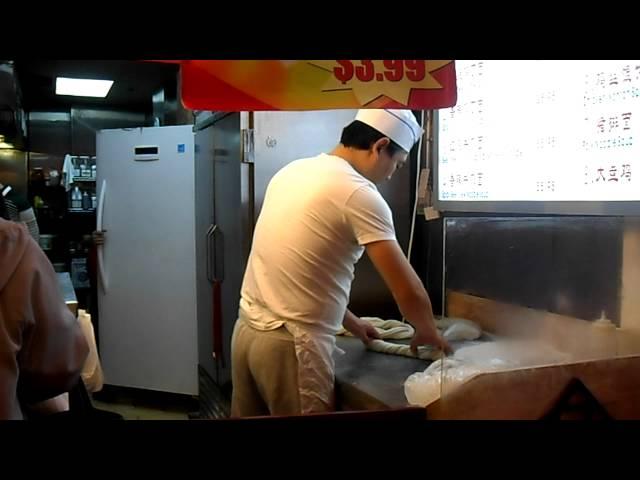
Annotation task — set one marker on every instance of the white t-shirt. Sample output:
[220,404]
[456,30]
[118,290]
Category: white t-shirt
[317,215]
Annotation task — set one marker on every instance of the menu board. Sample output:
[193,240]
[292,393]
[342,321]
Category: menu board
[541,131]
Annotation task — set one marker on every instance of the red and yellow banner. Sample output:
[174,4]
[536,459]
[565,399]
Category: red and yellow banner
[234,85]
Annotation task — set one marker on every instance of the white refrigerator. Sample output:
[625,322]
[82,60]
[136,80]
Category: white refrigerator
[147,301]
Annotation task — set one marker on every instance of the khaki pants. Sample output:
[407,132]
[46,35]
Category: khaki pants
[264,371]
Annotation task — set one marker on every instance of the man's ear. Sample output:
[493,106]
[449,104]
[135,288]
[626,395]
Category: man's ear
[380,144]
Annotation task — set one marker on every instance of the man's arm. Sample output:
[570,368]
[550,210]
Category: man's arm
[359,328]
[408,292]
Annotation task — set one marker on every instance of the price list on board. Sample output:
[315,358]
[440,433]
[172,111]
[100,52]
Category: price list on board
[541,131]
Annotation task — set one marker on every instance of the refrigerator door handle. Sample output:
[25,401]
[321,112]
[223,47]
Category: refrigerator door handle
[218,254]
[209,234]
[216,294]
[217,322]
[99,224]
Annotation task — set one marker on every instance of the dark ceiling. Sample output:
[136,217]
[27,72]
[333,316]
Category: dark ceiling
[135,82]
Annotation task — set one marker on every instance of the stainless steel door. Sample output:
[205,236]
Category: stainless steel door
[204,226]
[230,237]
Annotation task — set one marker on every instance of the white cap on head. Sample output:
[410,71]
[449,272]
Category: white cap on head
[399,125]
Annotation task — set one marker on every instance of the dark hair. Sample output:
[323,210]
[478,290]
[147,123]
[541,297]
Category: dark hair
[361,136]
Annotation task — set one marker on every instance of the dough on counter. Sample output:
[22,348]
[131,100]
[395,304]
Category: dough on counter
[461,331]
[424,352]
[455,329]
[387,329]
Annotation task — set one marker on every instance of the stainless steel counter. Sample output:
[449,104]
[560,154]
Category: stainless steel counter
[367,380]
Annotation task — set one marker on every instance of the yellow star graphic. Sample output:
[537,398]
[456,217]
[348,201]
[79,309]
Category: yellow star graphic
[378,85]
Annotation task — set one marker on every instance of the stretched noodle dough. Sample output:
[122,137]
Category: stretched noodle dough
[387,329]
[455,329]
[424,352]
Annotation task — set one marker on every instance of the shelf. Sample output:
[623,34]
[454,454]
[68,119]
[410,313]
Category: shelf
[79,210]
[84,179]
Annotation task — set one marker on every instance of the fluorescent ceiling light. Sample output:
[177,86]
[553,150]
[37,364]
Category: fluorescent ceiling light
[80,87]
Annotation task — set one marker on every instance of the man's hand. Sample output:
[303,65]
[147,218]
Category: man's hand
[360,328]
[98,237]
[429,336]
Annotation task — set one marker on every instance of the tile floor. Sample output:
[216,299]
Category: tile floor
[139,412]
[134,404]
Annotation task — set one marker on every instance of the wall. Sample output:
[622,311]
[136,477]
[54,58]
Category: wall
[86,122]
[630,285]
[566,265]
[168,109]
[575,266]
[53,134]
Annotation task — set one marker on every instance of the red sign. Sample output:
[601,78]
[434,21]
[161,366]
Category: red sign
[234,85]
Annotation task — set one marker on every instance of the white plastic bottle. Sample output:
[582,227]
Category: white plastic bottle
[605,337]
[76,198]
